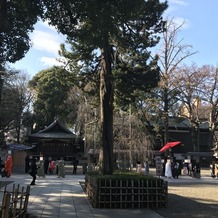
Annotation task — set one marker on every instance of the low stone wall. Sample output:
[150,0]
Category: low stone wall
[126,193]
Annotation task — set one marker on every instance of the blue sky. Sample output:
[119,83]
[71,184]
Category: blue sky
[200,30]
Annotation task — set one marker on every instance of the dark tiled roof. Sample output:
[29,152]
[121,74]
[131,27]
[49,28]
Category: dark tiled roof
[185,123]
[182,123]
[55,130]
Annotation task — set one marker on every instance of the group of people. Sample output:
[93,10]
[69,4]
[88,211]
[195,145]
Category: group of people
[139,167]
[43,167]
[192,169]
[175,169]
[38,169]
[33,168]
[171,170]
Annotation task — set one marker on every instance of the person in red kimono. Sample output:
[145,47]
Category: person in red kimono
[8,166]
[51,167]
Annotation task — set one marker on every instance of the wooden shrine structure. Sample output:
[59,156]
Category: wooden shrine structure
[56,142]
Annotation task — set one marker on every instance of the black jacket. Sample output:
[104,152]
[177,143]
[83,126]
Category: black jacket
[33,168]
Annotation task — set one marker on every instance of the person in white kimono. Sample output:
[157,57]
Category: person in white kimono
[168,169]
[139,167]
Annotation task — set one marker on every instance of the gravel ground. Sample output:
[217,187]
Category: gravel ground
[191,198]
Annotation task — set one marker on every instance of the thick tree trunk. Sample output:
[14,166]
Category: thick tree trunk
[1,88]
[212,137]
[166,117]
[106,112]
[195,137]
[2,14]
[166,122]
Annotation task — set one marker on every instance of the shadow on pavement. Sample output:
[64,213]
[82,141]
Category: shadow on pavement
[179,206]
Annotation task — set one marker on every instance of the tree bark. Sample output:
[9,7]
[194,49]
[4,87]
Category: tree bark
[166,116]
[195,137]
[106,112]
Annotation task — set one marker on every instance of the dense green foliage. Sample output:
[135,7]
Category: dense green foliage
[129,29]
[17,18]
[108,37]
[122,175]
[51,87]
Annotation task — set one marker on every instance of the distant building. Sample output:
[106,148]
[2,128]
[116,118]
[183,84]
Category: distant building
[180,130]
[202,111]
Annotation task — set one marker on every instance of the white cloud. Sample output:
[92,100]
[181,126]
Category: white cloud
[178,2]
[46,25]
[186,23]
[47,42]
[48,61]
[175,5]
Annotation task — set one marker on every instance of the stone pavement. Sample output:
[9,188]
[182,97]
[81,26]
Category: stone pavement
[64,197]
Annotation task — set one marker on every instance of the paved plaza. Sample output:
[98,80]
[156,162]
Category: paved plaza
[64,197]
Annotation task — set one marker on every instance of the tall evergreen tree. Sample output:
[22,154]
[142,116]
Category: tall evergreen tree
[17,18]
[51,89]
[100,27]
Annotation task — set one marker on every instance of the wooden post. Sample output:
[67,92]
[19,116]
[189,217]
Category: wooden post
[26,199]
[6,205]
[20,210]
[14,202]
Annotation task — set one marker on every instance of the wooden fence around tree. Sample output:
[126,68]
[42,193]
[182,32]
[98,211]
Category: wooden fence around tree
[15,202]
[115,193]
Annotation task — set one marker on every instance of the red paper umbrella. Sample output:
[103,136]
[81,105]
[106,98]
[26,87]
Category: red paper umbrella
[169,145]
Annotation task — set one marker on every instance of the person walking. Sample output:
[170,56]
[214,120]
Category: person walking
[212,170]
[8,166]
[61,170]
[197,170]
[41,170]
[146,168]
[33,171]
[51,167]
[216,170]
[168,169]
[75,163]
[175,170]
[46,164]
[139,167]
[27,159]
